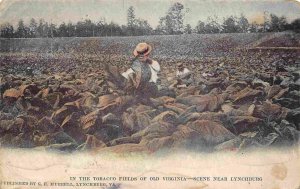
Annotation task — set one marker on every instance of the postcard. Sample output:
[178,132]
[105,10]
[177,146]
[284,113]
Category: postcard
[117,94]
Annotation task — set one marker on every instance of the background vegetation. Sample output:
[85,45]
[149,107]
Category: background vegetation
[170,24]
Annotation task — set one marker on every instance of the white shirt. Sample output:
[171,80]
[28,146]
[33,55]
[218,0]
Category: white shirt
[180,73]
[155,68]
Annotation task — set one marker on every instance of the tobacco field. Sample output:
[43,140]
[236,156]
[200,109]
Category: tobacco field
[55,95]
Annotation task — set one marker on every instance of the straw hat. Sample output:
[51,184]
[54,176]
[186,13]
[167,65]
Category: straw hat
[142,49]
[179,64]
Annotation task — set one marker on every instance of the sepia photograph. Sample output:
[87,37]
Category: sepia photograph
[118,94]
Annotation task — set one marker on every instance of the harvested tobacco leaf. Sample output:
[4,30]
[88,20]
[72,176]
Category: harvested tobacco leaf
[106,101]
[12,93]
[204,102]
[247,95]
[91,143]
[90,120]
[212,132]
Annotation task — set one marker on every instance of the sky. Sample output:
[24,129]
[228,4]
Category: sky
[58,11]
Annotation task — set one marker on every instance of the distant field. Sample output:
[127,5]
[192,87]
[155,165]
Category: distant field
[183,46]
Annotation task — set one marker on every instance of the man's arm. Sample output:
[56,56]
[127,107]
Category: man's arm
[155,66]
[127,73]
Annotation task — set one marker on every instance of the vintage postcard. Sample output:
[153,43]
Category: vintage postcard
[178,94]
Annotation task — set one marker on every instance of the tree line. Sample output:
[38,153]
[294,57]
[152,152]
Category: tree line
[170,24]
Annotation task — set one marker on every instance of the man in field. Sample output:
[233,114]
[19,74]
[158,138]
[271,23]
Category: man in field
[184,77]
[143,73]
[142,77]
